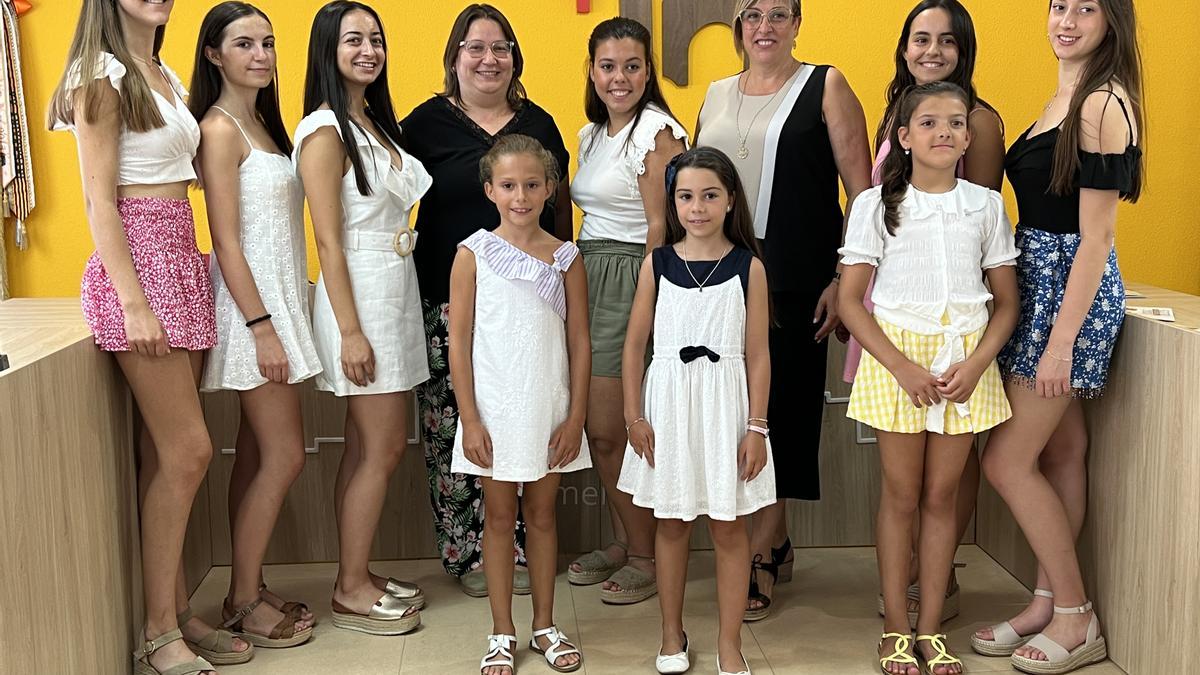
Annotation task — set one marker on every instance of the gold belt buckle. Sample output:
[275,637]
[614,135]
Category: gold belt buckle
[404,242]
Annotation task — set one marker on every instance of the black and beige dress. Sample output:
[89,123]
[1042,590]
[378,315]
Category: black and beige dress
[791,181]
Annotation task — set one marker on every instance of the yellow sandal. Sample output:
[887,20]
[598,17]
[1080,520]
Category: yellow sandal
[942,657]
[899,652]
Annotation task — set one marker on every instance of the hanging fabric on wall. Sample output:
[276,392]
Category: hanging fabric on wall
[16,169]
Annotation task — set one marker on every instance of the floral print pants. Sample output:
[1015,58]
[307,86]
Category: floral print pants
[457,499]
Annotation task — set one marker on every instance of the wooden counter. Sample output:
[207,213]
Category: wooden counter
[70,601]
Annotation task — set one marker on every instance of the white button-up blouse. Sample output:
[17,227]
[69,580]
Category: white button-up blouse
[933,266]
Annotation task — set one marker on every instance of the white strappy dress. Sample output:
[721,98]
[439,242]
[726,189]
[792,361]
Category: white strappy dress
[271,216]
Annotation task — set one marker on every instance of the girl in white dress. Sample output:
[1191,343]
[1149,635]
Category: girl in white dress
[367,319]
[258,270]
[698,437]
[520,358]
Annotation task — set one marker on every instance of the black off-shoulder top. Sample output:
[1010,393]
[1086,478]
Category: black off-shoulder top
[1029,163]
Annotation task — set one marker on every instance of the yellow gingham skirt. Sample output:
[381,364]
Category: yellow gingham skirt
[878,401]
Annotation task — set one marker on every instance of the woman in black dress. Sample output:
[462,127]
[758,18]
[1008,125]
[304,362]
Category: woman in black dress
[483,100]
[792,129]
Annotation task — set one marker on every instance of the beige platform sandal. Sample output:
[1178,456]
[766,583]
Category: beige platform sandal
[950,607]
[595,567]
[217,646]
[635,584]
[1005,639]
[141,657]
[388,616]
[282,636]
[1061,661]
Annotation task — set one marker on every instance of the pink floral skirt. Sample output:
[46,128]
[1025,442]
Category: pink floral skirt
[162,241]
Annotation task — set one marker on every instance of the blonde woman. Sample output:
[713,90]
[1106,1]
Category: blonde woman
[146,294]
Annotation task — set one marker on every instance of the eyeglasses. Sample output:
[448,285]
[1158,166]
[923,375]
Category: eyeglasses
[476,49]
[776,17]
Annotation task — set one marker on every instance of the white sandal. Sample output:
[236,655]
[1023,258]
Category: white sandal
[500,653]
[1060,660]
[1005,639]
[555,652]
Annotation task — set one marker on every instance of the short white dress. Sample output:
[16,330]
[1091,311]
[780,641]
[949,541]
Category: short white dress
[519,357]
[695,395]
[271,217]
[382,274]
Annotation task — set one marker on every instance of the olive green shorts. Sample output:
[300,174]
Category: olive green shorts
[612,275]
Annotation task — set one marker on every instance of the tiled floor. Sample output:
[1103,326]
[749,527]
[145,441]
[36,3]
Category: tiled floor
[824,622]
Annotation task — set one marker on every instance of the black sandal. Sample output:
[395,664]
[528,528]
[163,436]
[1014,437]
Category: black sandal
[764,611]
[779,556]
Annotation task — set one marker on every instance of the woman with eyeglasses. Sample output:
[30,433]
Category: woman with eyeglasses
[792,129]
[482,100]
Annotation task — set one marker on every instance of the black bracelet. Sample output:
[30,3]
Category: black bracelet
[264,317]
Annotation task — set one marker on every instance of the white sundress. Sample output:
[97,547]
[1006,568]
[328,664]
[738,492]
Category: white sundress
[271,218]
[384,282]
[519,357]
[698,408]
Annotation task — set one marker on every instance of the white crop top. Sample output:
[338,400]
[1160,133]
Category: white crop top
[154,157]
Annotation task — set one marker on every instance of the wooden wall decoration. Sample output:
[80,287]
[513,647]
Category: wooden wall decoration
[682,19]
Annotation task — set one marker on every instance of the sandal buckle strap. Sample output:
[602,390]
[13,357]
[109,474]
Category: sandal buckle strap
[1082,609]
[150,646]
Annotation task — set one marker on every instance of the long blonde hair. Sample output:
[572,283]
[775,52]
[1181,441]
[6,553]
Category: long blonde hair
[99,30]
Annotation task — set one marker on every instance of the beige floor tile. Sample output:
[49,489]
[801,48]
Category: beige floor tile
[824,622]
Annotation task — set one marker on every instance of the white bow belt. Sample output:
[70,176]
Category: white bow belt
[952,351]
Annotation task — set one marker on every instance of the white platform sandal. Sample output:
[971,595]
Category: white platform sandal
[1005,639]
[556,649]
[1061,661]
[500,653]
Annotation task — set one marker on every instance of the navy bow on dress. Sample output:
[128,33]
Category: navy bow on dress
[689,354]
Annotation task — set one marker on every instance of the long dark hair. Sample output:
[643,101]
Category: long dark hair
[206,77]
[323,83]
[1117,58]
[458,32]
[963,29]
[739,224]
[897,166]
[620,28]
[99,30]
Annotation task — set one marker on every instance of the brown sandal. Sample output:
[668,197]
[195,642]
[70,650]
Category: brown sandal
[296,610]
[141,657]
[283,635]
[217,646]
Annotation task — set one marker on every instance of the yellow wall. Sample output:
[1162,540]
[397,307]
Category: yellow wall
[1158,239]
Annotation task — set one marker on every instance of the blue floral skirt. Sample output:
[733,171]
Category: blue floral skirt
[1042,272]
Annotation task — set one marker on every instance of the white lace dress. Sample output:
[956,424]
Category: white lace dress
[519,355]
[697,407]
[271,215]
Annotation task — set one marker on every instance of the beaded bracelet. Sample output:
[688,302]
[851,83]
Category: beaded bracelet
[264,317]
[759,419]
[630,425]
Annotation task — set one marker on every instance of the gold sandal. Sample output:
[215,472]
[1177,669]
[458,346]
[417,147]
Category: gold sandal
[141,657]
[282,635]
[942,657]
[899,652]
[217,646]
